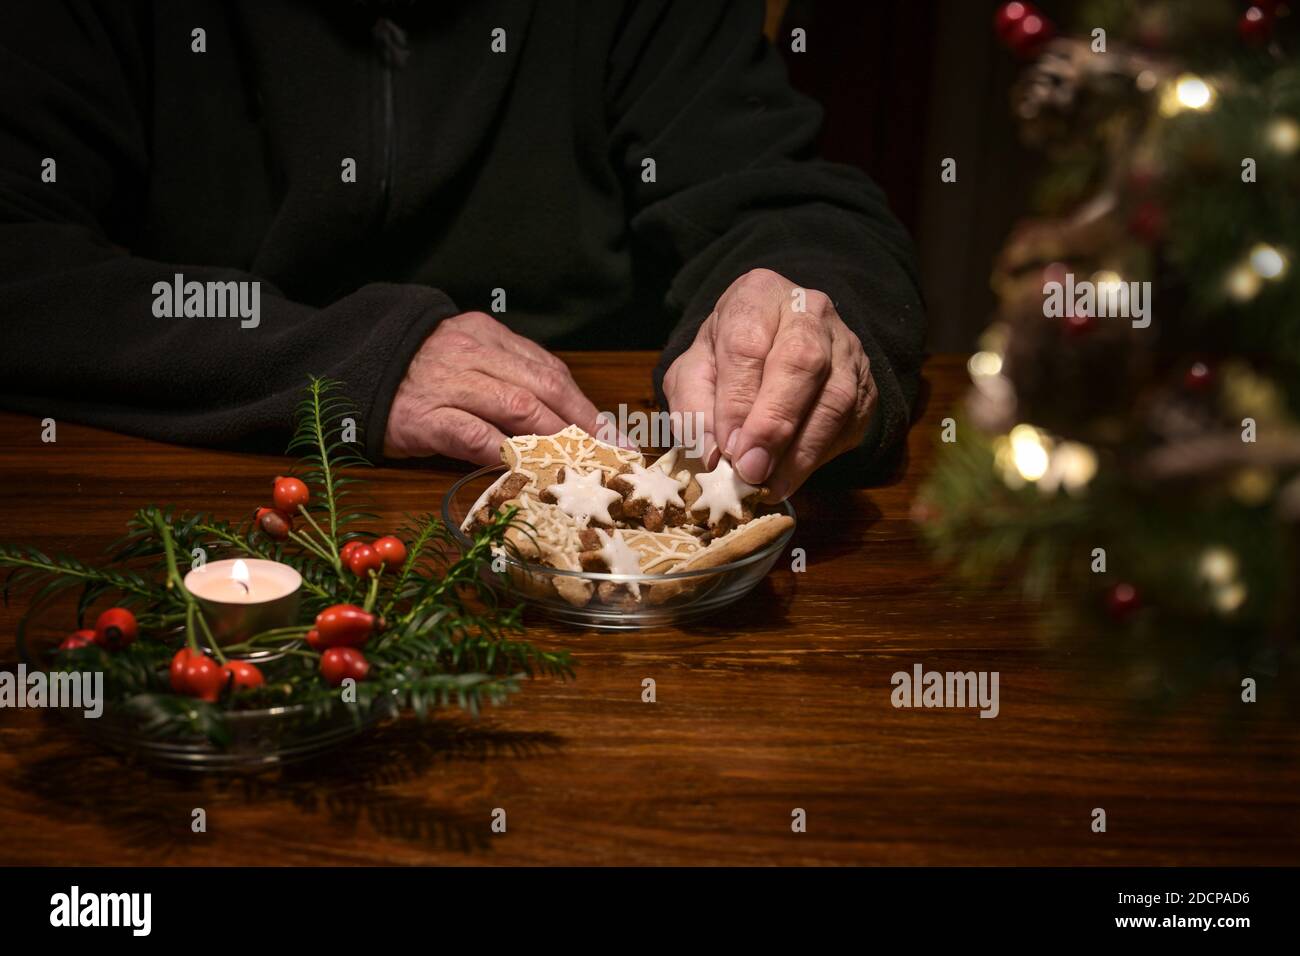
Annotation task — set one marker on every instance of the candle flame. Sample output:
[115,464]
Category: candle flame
[240,573]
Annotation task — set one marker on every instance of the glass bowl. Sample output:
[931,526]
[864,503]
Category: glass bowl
[259,739]
[693,593]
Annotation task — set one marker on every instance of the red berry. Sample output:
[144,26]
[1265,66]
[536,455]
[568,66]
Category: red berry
[77,639]
[289,494]
[391,551]
[339,663]
[314,641]
[363,560]
[274,523]
[344,625]
[243,674]
[1122,600]
[194,674]
[345,552]
[116,628]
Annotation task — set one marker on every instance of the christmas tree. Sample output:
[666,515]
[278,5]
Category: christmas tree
[1129,452]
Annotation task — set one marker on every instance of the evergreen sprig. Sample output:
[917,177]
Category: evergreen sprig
[446,640]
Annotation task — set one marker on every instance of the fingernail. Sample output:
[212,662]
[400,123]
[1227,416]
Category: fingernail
[754,465]
[731,442]
[708,448]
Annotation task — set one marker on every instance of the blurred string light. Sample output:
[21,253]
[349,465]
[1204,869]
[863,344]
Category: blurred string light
[1267,261]
[984,364]
[1187,92]
[1219,569]
[1028,455]
[1263,263]
[1283,135]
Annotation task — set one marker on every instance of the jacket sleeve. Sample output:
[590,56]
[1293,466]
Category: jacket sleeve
[695,87]
[81,340]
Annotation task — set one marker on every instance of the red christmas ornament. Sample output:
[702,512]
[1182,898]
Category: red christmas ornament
[1198,377]
[288,494]
[339,663]
[1022,28]
[1148,221]
[243,674]
[391,551]
[1256,24]
[115,629]
[363,560]
[194,674]
[78,639]
[1122,600]
[343,625]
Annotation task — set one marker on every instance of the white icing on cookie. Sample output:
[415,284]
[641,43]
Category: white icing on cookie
[667,462]
[583,497]
[655,486]
[572,447]
[620,558]
[662,551]
[721,492]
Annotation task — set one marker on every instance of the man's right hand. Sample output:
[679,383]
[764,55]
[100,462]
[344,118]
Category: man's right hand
[473,382]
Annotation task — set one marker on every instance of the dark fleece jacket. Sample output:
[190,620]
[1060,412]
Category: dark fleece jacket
[477,169]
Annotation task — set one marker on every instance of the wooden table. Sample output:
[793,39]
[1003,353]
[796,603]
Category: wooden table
[780,704]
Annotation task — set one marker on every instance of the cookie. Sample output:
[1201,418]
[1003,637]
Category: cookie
[742,541]
[724,501]
[505,488]
[584,497]
[540,457]
[651,495]
[609,552]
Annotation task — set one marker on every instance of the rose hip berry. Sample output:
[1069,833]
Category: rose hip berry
[289,494]
[339,663]
[343,625]
[391,551]
[116,628]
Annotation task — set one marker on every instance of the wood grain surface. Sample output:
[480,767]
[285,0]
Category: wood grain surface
[779,704]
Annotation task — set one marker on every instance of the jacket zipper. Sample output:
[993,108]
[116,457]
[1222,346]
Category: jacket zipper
[391,42]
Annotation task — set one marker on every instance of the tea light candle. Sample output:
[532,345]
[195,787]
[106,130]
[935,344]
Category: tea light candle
[244,596]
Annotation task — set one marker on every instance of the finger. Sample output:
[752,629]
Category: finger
[837,422]
[514,409]
[689,387]
[748,317]
[458,434]
[793,376]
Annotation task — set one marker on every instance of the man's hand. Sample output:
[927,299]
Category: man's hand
[783,384]
[473,380]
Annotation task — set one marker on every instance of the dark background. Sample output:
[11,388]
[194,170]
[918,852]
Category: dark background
[906,83]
